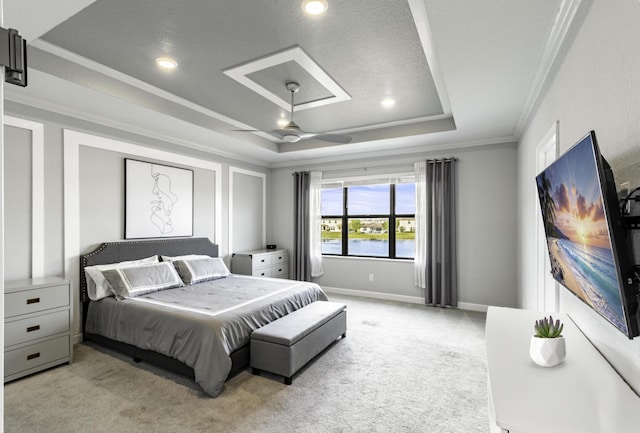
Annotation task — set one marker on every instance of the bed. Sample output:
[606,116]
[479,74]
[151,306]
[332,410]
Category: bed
[202,329]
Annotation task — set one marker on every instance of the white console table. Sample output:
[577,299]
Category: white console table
[583,394]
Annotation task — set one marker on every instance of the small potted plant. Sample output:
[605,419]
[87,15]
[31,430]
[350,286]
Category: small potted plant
[547,347]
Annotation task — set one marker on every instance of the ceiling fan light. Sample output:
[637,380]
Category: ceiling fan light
[291,138]
[315,7]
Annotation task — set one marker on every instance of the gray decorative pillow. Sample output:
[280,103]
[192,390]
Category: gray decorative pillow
[140,280]
[98,287]
[203,269]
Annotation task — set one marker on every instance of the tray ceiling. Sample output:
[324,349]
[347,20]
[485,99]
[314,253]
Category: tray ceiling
[460,73]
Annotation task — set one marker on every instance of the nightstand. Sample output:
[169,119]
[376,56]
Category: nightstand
[261,263]
[37,325]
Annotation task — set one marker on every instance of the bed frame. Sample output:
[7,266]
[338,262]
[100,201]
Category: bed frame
[113,252]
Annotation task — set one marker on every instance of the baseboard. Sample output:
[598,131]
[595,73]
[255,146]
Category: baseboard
[399,298]
[473,307]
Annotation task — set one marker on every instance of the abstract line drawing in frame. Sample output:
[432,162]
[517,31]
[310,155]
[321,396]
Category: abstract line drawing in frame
[158,200]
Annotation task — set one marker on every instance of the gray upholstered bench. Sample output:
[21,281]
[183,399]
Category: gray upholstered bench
[287,344]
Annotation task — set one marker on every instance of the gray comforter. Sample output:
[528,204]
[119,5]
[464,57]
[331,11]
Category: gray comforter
[202,324]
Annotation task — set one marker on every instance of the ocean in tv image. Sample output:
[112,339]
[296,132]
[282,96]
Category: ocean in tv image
[577,232]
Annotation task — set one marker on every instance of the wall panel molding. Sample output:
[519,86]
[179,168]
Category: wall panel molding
[263,176]
[37,191]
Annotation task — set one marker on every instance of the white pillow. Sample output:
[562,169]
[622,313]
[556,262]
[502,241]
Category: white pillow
[198,270]
[185,257]
[132,281]
[97,285]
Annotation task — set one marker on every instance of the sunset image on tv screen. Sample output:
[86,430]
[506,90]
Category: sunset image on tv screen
[577,232]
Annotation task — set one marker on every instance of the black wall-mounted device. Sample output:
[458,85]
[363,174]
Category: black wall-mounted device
[13,56]
[632,224]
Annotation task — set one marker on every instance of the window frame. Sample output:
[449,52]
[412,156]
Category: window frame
[392,217]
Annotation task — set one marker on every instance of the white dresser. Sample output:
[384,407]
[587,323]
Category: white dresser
[261,263]
[37,331]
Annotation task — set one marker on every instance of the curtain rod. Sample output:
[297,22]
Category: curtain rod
[432,161]
[407,165]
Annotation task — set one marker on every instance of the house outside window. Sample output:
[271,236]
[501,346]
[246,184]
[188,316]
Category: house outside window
[370,218]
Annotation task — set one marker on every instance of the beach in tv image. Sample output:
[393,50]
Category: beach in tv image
[578,237]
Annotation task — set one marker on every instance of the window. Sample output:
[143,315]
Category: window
[369,219]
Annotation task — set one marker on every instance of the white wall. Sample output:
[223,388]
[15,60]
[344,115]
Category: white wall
[487,209]
[596,86]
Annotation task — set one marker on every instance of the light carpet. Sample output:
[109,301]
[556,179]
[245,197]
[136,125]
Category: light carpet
[401,368]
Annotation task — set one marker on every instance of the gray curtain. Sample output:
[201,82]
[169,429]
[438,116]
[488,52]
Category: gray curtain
[301,241]
[441,270]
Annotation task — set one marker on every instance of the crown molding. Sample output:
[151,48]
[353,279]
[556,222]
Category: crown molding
[406,152]
[555,40]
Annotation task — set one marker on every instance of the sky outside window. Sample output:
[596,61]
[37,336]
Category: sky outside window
[331,201]
[368,200]
[405,199]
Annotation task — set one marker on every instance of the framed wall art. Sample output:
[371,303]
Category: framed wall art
[158,200]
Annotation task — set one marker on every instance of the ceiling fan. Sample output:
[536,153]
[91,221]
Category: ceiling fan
[292,133]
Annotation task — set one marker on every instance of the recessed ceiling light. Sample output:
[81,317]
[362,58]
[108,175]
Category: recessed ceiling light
[315,7]
[166,63]
[388,102]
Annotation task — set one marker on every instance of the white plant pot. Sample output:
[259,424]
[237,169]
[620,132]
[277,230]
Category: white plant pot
[547,352]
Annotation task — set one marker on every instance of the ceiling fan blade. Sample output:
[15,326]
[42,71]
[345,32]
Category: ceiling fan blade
[334,138]
[276,131]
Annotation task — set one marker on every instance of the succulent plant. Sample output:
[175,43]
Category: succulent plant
[546,328]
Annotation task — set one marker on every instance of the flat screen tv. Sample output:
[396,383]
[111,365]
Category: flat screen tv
[585,234]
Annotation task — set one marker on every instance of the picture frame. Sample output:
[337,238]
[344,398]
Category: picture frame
[158,200]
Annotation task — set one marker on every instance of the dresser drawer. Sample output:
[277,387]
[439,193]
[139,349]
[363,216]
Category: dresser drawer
[32,328]
[35,355]
[280,270]
[261,260]
[30,301]
[261,272]
[279,257]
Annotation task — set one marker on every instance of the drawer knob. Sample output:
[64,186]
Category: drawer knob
[262,260]
[33,328]
[33,356]
[33,301]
